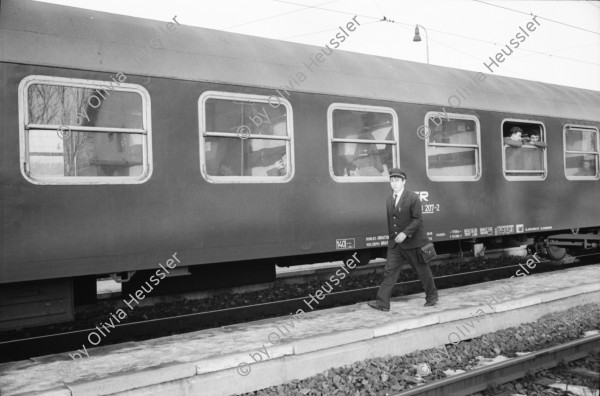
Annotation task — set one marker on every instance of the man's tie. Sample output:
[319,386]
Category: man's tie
[395,198]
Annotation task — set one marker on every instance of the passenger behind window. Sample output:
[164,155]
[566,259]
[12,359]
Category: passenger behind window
[226,168]
[514,140]
[368,161]
[362,143]
[587,168]
[350,170]
[279,168]
[367,164]
[534,139]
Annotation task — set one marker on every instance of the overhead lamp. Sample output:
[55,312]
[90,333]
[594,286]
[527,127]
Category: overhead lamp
[417,38]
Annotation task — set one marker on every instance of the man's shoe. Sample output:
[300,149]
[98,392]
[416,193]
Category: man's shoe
[374,305]
[431,303]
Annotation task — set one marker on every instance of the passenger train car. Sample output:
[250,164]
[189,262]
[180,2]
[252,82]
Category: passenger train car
[126,142]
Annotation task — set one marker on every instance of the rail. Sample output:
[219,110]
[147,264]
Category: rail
[509,370]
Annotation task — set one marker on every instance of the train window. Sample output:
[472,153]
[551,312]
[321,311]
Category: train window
[453,147]
[84,132]
[364,142]
[524,150]
[245,138]
[581,152]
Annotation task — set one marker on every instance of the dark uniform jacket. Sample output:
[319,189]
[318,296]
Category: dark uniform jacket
[406,217]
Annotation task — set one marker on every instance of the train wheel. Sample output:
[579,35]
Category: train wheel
[364,256]
[84,290]
[555,252]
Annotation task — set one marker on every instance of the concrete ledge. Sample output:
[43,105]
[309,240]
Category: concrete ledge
[281,350]
[452,314]
[331,340]
[49,392]
[555,295]
[277,371]
[397,327]
[234,360]
[132,379]
[522,302]
[221,363]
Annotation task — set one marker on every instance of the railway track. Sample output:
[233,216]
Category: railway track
[500,373]
[20,349]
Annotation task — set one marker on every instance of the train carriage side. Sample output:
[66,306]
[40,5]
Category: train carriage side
[536,191]
[300,178]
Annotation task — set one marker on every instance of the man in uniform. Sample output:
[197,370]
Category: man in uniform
[407,235]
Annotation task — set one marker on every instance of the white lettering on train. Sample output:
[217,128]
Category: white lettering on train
[423,195]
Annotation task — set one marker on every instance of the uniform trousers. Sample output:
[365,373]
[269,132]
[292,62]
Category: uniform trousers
[396,258]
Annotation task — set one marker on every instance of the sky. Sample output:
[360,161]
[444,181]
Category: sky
[563,49]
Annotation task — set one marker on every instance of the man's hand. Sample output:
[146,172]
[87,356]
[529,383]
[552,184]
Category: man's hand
[400,237]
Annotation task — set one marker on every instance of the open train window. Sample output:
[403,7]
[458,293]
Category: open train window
[245,138]
[453,147]
[524,150]
[581,152]
[76,131]
[363,142]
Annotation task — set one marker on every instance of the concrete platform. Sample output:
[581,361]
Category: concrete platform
[246,357]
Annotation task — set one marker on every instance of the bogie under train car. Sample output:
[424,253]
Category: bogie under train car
[127,142]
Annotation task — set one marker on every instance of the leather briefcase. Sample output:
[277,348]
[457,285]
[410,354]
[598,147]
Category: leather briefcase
[427,252]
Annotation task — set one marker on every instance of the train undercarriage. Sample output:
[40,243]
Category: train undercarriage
[51,301]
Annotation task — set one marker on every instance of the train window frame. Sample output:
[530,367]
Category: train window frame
[203,133]
[428,143]
[568,127]
[331,140]
[543,138]
[25,128]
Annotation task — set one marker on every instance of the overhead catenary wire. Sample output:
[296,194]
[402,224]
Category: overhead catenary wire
[592,3]
[377,5]
[541,17]
[327,9]
[435,40]
[322,31]
[385,19]
[275,16]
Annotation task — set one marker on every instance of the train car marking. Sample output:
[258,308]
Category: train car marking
[504,229]
[470,232]
[430,208]
[483,231]
[520,227]
[423,195]
[347,243]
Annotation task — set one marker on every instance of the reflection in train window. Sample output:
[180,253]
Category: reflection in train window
[453,147]
[245,138]
[84,132]
[524,150]
[581,152]
[363,142]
